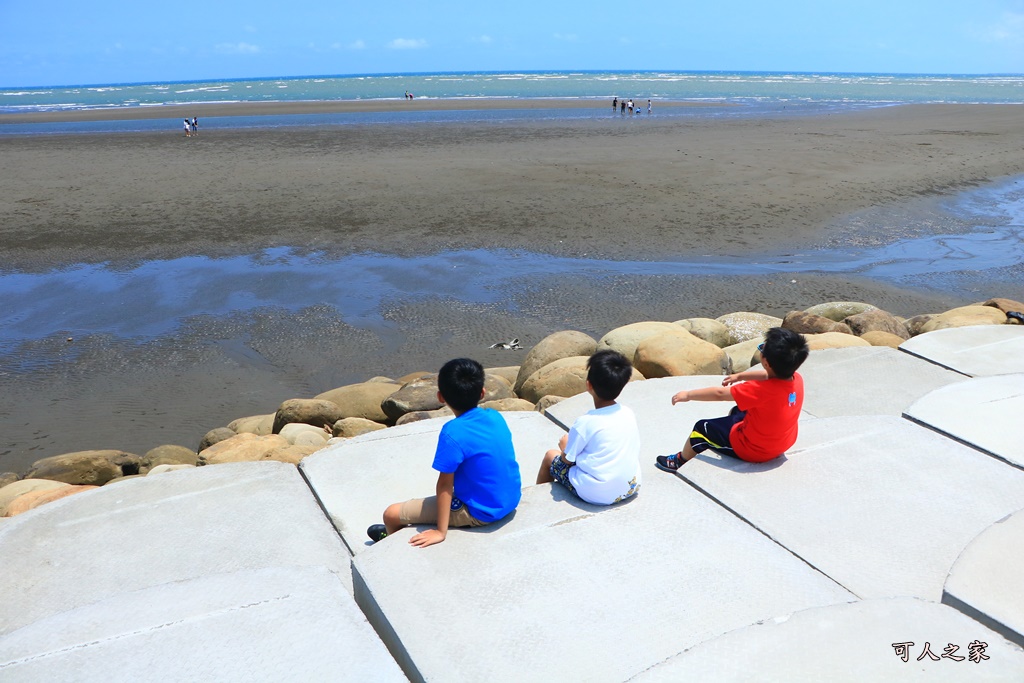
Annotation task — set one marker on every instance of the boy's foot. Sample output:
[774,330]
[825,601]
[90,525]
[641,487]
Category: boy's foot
[669,463]
[377,532]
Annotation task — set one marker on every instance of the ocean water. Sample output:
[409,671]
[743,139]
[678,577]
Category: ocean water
[733,87]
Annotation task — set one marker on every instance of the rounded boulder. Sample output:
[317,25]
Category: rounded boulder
[877,320]
[803,322]
[15,489]
[94,468]
[347,427]
[33,499]
[625,339]
[311,411]
[254,424]
[744,325]
[965,316]
[564,344]
[708,329]
[678,353]
[168,454]
[833,340]
[361,400]
[839,310]
[879,338]
[253,448]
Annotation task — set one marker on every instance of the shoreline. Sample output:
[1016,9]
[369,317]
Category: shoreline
[643,189]
[225,109]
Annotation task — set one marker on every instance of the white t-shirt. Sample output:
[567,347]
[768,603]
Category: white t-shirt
[605,445]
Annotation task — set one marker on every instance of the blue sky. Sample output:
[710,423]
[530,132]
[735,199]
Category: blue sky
[107,41]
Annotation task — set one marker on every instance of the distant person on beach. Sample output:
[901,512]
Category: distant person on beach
[763,423]
[648,107]
[599,459]
[478,481]
[188,128]
[615,104]
[195,126]
[629,106]
[622,106]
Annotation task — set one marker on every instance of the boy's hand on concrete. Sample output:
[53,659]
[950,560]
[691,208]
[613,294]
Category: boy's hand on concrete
[731,379]
[681,397]
[428,537]
[563,442]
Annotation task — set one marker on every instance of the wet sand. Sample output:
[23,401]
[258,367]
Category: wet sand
[625,189]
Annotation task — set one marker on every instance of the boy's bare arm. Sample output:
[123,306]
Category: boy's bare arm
[704,394]
[445,491]
[755,373]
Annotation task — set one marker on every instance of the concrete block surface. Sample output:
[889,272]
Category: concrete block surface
[982,412]
[569,591]
[868,381]
[978,351]
[985,584]
[272,624]
[357,479]
[150,531]
[851,642]
[881,505]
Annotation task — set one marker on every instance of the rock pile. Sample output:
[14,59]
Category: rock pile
[553,369]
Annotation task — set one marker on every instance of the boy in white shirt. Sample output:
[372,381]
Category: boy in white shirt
[599,459]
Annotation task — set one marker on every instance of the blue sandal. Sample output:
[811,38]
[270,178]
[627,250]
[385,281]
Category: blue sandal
[669,463]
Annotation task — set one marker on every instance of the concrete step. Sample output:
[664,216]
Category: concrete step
[985,413]
[985,584]
[978,351]
[851,642]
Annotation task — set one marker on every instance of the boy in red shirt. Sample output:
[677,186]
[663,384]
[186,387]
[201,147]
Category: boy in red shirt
[763,424]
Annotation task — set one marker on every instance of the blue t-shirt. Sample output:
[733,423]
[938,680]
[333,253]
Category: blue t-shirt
[477,447]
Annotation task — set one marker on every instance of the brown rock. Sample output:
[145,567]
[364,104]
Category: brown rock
[744,326]
[17,488]
[300,434]
[417,415]
[965,316]
[707,329]
[546,402]
[625,339]
[7,478]
[1005,305]
[677,353]
[508,405]
[412,376]
[839,310]
[877,320]
[361,400]
[565,344]
[508,372]
[917,322]
[169,455]
[808,323]
[86,467]
[743,355]
[256,424]
[833,340]
[214,436]
[347,427]
[247,447]
[879,338]
[33,499]
[418,395]
[564,377]
[311,411]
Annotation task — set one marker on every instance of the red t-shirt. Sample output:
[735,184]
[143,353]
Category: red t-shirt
[773,408]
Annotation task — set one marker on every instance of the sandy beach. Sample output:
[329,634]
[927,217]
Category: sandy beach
[615,188]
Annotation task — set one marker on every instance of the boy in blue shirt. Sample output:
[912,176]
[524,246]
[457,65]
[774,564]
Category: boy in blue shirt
[478,481]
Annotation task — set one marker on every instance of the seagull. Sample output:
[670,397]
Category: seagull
[507,346]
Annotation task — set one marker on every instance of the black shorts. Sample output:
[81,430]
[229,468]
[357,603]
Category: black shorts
[714,433]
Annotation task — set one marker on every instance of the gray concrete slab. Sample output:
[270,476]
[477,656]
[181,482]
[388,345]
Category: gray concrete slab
[872,380]
[883,506]
[851,642]
[569,591]
[978,351]
[357,479]
[272,624]
[150,531]
[981,412]
[985,584]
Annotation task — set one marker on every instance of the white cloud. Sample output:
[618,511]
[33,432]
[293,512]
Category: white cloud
[407,44]
[237,48]
[357,45]
[486,40]
[567,37]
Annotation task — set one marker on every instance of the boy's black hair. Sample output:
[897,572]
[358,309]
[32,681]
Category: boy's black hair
[608,371]
[785,351]
[460,382]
